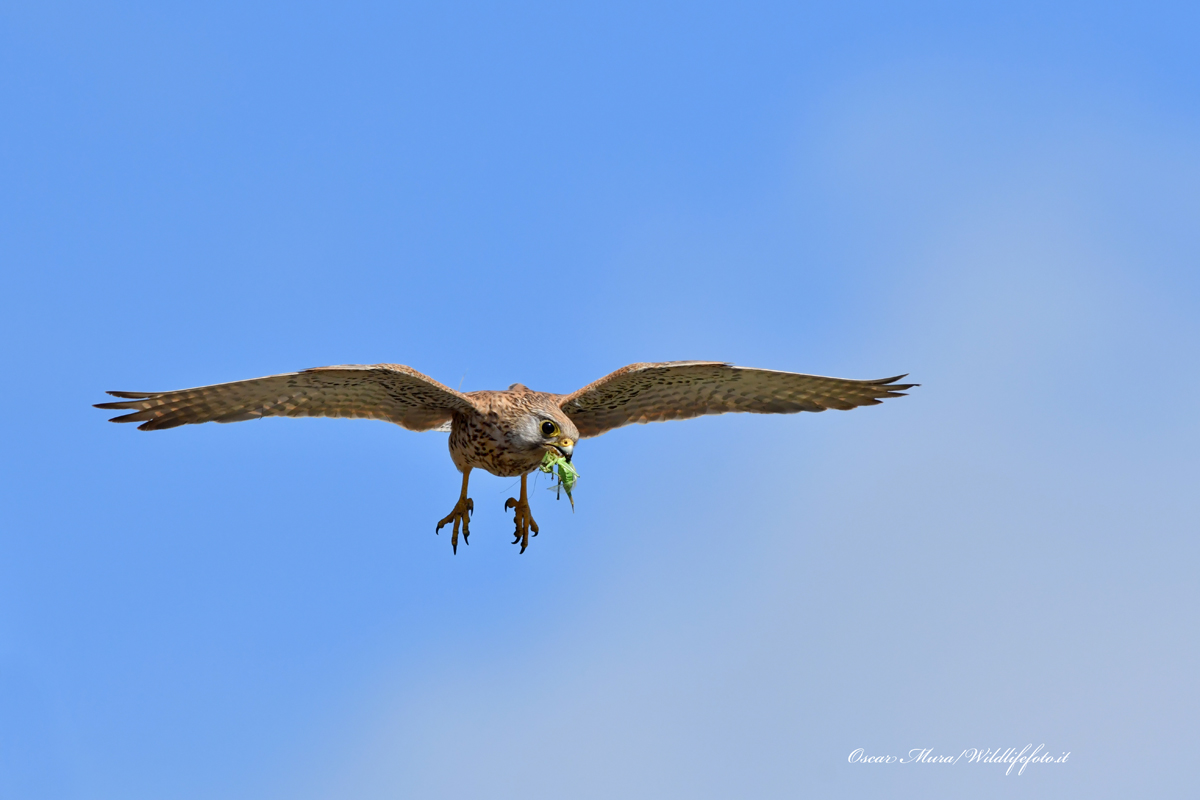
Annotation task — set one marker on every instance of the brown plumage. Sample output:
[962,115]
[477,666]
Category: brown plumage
[506,433]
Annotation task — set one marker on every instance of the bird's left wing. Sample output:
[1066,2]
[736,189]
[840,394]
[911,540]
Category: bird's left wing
[390,392]
[684,389]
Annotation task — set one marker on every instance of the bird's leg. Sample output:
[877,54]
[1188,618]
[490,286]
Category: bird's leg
[461,514]
[523,518]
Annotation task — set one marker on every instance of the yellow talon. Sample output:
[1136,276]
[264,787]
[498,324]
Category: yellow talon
[522,517]
[460,515]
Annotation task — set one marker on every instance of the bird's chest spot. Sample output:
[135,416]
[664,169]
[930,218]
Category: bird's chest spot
[481,443]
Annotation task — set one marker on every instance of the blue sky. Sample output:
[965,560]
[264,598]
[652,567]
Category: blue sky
[1001,201]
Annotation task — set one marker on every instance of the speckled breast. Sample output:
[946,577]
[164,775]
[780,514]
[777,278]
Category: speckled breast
[481,441]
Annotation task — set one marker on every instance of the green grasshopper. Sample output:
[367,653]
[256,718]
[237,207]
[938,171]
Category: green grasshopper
[567,476]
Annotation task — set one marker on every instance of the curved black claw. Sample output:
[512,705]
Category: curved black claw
[524,520]
[512,503]
[461,515]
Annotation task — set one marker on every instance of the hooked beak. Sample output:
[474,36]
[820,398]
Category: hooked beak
[565,447]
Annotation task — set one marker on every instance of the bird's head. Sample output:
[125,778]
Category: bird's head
[547,429]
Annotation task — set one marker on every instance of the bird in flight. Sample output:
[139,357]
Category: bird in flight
[507,433]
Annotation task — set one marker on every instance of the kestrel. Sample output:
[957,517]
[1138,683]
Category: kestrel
[506,433]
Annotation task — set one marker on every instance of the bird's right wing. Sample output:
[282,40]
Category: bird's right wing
[389,392]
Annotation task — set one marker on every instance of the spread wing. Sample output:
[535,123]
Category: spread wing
[685,389]
[389,392]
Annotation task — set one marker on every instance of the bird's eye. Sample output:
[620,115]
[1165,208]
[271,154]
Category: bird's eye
[549,428]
